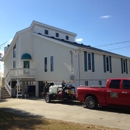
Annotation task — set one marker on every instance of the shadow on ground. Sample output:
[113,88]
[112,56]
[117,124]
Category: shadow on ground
[70,103]
[17,119]
[113,109]
[3,100]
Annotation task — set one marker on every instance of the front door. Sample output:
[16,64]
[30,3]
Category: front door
[26,64]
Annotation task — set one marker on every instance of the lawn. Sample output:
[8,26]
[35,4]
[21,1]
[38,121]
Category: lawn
[10,121]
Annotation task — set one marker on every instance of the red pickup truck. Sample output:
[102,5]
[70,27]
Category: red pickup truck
[116,93]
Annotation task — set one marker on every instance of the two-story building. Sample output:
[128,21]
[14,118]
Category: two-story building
[42,53]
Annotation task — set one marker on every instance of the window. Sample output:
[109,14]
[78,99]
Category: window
[115,84]
[124,67]
[86,83]
[107,63]
[67,37]
[45,64]
[85,61]
[89,61]
[126,84]
[57,34]
[46,32]
[100,82]
[14,64]
[51,63]
[14,51]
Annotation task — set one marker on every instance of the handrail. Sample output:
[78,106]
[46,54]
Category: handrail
[7,74]
[8,88]
[0,92]
[22,69]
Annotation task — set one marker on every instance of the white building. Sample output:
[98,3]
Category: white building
[43,53]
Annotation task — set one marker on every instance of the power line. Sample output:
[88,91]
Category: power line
[112,44]
[3,43]
[119,48]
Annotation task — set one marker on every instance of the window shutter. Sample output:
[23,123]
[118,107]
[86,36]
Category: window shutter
[85,61]
[104,63]
[93,65]
[110,64]
[126,67]
[121,65]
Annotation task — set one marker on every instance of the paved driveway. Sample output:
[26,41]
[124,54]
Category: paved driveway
[111,117]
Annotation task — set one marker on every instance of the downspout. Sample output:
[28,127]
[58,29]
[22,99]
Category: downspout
[78,67]
[72,69]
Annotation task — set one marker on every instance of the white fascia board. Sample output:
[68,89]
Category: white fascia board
[54,28]
[56,41]
[103,53]
[14,40]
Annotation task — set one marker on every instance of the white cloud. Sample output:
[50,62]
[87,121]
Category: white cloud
[10,40]
[105,16]
[79,40]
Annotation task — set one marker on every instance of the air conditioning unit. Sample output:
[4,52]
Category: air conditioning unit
[71,77]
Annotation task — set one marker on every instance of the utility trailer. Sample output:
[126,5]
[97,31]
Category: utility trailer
[58,92]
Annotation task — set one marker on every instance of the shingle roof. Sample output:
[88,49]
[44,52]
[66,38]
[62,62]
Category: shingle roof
[81,45]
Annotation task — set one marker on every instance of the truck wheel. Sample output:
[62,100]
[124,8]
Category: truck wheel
[91,102]
[47,99]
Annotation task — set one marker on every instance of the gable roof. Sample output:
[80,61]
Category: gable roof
[29,28]
[82,46]
[72,44]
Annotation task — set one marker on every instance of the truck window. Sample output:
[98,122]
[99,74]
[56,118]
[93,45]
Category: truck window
[115,84]
[126,84]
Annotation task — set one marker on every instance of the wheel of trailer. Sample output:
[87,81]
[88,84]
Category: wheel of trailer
[91,102]
[48,98]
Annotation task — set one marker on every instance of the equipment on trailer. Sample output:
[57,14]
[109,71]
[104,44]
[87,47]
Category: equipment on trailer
[60,92]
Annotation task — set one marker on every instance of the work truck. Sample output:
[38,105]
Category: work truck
[115,93]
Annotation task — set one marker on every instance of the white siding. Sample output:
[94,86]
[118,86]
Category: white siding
[44,48]
[52,32]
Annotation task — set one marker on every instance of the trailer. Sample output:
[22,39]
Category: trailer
[60,92]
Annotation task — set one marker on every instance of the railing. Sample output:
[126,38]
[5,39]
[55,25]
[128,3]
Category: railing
[7,78]
[7,87]
[22,72]
[17,73]
[0,92]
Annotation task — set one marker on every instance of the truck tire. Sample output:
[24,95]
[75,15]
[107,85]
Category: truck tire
[47,98]
[91,102]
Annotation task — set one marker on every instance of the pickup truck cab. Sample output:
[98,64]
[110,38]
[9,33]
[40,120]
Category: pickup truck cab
[115,93]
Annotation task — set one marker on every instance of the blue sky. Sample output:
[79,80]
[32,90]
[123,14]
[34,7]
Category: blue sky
[96,22]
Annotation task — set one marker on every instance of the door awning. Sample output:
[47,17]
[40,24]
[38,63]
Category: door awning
[26,56]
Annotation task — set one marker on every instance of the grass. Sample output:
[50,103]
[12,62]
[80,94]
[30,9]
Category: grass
[10,121]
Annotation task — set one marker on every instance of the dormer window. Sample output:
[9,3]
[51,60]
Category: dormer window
[67,37]
[46,32]
[57,34]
